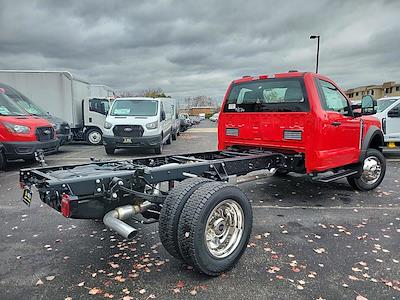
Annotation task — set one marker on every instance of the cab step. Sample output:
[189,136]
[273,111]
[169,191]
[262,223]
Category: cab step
[335,176]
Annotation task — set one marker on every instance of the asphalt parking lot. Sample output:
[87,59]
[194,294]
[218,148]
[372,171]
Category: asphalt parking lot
[309,241]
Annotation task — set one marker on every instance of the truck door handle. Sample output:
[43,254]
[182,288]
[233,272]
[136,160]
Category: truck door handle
[336,123]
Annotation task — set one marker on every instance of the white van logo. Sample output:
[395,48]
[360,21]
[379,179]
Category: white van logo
[128,129]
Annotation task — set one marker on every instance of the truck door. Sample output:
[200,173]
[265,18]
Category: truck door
[392,132]
[339,137]
[95,111]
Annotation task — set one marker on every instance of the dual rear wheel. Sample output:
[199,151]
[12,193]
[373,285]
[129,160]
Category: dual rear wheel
[206,224]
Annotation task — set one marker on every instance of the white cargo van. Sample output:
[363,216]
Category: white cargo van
[139,122]
[389,113]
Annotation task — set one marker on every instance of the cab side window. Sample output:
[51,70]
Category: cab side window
[332,99]
[99,106]
[394,112]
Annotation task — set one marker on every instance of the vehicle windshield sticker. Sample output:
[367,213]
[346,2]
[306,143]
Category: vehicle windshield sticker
[232,106]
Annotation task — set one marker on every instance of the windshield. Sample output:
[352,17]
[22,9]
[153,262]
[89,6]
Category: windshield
[383,104]
[267,95]
[8,107]
[22,101]
[134,108]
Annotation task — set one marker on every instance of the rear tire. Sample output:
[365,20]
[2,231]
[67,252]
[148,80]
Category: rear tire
[171,212]
[174,136]
[109,150]
[169,140]
[215,227]
[94,137]
[373,172]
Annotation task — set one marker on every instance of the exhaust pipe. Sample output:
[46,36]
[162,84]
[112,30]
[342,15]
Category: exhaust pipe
[114,218]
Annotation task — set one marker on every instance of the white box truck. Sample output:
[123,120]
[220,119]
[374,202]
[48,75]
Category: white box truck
[67,97]
[101,90]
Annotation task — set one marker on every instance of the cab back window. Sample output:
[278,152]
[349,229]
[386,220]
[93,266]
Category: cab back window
[270,95]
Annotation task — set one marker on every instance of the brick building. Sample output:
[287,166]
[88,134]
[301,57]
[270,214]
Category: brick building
[387,89]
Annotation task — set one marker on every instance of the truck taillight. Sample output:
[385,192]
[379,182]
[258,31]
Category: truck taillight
[384,125]
[65,206]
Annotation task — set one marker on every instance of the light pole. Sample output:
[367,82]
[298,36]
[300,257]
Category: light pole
[312,38]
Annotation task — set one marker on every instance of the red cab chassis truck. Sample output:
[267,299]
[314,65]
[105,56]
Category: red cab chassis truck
[289,122]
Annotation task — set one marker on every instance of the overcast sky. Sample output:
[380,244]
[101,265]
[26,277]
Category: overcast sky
[191,48]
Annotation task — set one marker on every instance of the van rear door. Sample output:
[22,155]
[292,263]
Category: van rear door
[268,113]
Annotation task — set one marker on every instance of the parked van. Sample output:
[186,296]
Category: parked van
[21,134]
[138,122]
[176,122]
[388,113]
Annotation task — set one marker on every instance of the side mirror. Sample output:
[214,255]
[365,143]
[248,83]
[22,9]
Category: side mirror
[368,105]
[162,115]
[394,112]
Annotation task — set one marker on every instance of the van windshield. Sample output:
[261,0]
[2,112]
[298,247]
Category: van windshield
[22,101]
[146,108]
[8,107]
[383,104]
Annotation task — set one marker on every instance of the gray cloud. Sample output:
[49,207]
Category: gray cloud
[189,48]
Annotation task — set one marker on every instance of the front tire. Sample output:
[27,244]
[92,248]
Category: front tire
[171,212]
[215,227]
[109,150]
[94,137]
[281,172]
[3,161]
[372,173]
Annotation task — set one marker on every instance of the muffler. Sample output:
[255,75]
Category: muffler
[114,218]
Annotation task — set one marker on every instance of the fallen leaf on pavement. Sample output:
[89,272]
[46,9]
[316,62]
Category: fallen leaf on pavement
[319,250]
[95,291]
[180,284]
[39,282]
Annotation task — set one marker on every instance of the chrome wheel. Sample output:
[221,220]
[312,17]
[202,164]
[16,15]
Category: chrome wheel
[371,170]
[224,228]
[94,137]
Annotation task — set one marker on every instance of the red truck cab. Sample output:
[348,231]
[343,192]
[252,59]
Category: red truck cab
[21,135]
[305,114]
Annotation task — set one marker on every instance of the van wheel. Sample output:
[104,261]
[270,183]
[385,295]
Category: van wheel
[281,172]
[215,227]
[171,212]
[109,150]
[169,140]
[3,161]
[159,148]
[94,136]
[373,172]
[174,136]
